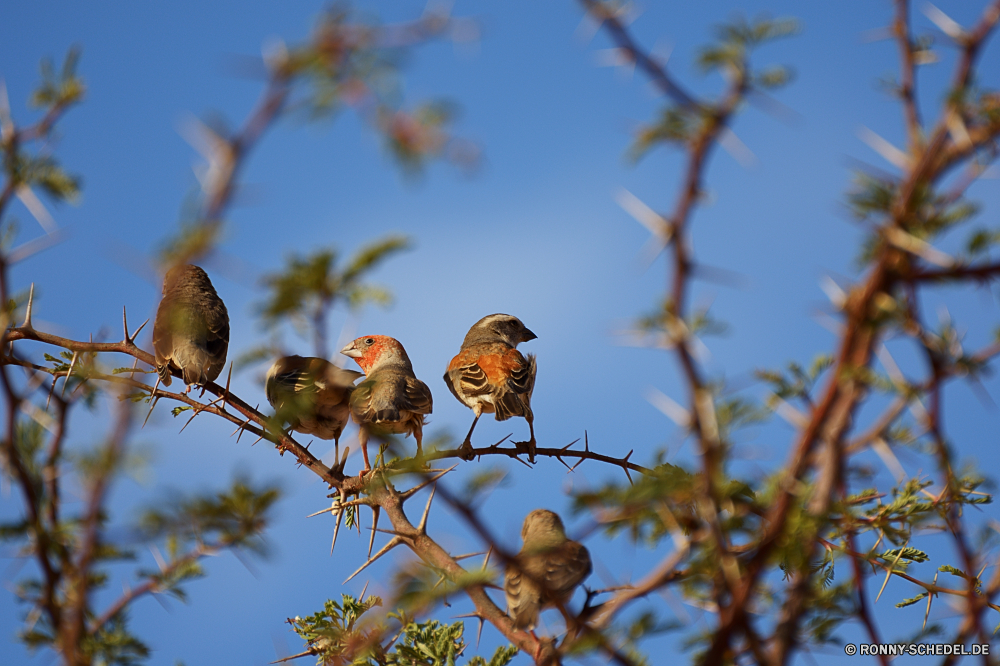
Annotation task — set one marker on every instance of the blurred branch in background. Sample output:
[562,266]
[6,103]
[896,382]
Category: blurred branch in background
[347,63]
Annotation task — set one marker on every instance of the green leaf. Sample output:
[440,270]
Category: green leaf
[912,600]
[903,554]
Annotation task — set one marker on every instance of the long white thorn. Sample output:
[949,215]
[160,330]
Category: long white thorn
[27,311]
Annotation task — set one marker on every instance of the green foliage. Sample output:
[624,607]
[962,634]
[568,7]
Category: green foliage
[351,61]
[676,125]
[114,645]
[62,88]
[420,587]
[234,518]
[308,287]
[872,199]
[339,635]
[21,168]
[432,643]
[912,600]
[415,137]
[684,124]
[738,38]
[481,484]
[901,555]
[335,635]
[798,382]
[193,239]
[981,241]
[664,327]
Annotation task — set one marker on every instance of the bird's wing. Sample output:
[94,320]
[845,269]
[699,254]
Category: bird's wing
[217,340]
[465,375]
[294,380]
[566,567]
[513,378]
[363,406]
[163,340]
[523,599]
[509,370]
[522,374]
[386,393]
[418,396]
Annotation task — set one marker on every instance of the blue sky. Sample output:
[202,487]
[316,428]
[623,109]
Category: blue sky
[536,233]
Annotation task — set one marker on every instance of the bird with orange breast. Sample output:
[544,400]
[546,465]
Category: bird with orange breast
[191,330]
[311,395]
[391,399]
[546,571]
[490,376]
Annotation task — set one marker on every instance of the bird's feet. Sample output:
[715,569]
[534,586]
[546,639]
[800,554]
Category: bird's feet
[526,447]
[465,451]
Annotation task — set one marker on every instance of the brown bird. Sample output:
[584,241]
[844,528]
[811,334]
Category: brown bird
[311,395]
[489,374]
[391,399]
[191,331]
[545,572]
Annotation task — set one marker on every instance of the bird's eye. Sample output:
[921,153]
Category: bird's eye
[370,341]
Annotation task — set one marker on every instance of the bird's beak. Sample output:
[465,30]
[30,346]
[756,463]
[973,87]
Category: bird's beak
[528,335]
[349,350]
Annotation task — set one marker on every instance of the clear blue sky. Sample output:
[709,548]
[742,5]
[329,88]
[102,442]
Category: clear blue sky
[535,233]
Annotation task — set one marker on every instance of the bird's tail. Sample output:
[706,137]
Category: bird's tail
[194,361]
[163,370]
[517,404]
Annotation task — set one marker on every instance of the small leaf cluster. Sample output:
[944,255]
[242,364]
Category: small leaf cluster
[683,123]
[22,168]
[309,286]
[232,518]
[338,635]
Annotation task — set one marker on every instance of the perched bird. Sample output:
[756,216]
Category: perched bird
[191,331]
[390,399]
[489,374]
[311,395]
[546,571]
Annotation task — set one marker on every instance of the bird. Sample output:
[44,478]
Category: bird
[311,395]
[490,376]
[391,399]
[191,330]
[546,570]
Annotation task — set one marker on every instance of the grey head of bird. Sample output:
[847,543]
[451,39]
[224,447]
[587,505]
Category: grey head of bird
[498,327]
[543,528]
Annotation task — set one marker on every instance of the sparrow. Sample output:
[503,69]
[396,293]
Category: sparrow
[311,395]
[545,572]
[391,399]
[191,331]
[489,374]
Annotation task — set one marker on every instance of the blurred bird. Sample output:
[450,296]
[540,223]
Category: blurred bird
[391,399]
[191,331]
[489,374]
[546,571]
[311,394]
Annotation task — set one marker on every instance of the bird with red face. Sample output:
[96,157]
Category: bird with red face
[490,376]
[391,400]
[311,395]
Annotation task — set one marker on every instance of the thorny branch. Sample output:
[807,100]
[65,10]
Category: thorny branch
[832,416]
[819,452]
